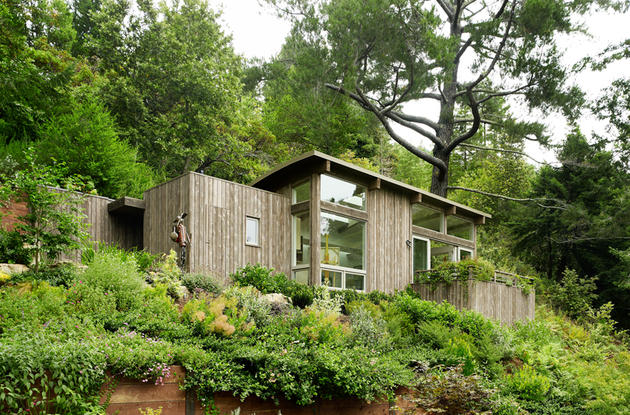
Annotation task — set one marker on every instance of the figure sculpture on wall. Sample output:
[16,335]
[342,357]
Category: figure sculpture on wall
[181,237]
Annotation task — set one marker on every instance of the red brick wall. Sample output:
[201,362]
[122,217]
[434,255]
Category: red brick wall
[132,395]
[9,215]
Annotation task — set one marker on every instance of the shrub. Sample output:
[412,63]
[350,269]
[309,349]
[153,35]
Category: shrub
[528,384]
[58,274]
[452,392]
[573,295]
[463,270]
[117,277]
[12,249]
[367,329]
[265,281]
[201,282]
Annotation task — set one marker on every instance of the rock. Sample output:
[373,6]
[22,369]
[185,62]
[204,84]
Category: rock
[280,304]
[13,268]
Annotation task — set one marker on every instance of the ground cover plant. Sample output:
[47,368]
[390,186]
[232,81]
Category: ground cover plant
[61,337]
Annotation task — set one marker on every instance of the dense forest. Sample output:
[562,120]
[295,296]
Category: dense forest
[121,95]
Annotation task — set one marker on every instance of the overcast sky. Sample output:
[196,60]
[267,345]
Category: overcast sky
[257,32]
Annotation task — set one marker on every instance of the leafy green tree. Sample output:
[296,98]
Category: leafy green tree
[585,224]
[53,224]
[34,67]
[300,111]
[173,84]
[85,141]
[460,54]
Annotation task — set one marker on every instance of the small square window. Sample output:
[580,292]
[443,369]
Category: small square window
[252,231]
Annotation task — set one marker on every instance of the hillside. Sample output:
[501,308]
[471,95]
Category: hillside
[63,330]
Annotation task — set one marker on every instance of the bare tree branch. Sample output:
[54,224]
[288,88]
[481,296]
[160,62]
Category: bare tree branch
[410,147]
[474,107]
[483,121]
[536,200]
[461,50]
[417,118]
[394,117]
[404,93]
[446,8]
[589,238]
[502,9]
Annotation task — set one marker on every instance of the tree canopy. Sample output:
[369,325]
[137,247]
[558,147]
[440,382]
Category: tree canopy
[460,54]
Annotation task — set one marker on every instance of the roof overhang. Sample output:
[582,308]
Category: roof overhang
[315,161]
[127,206]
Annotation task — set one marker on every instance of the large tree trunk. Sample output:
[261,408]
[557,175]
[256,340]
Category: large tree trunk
[439,179]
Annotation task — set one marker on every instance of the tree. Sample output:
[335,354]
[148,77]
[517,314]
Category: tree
[299,110]
[588,229]
[84,139]
[53,223]
[172,81]
[460,54]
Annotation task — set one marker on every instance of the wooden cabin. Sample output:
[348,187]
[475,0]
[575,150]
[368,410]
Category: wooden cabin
[318,219]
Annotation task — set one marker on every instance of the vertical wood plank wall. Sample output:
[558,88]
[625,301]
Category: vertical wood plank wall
[493,300]
[388,229]
[218,211]
[163,204]
[104,227]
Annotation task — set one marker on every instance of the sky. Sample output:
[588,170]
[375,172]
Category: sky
[258,33]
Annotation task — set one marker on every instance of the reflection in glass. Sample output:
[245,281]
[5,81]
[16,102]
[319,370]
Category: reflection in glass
[427,218]
[301,275]
[459,227]
[301,238]
[342,241]
[441,252]
[251,232]
[355,282]
[464,254]
[420,255]
[342,193]
[331,278]
[301,192]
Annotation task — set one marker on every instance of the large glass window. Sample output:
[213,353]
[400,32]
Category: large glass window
[301,192]
[342,192]
[442,252]
[301,275]
[332,279]
[301,238]
[342,241]
[420,254]
[427,218]
[459,227]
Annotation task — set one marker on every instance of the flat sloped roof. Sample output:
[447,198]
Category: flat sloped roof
[311,160]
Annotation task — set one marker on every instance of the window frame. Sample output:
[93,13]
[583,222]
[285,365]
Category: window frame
[343,271]
[428,241]
[257,219]
[299,183]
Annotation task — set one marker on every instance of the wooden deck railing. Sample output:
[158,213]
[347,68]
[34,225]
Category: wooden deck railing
[502,277]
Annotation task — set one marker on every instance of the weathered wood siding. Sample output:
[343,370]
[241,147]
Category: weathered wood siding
[217,210]
[110,229]
[217,225]
[163,204]
[388,229]
[498,301]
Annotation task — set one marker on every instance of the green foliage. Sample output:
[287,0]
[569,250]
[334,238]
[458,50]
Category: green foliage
[573,295]
[453,392]
[47,229]
[12,248]
[464,270]
[529,384]
[264,280]
[85,140]
[202,282]
[115,277]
